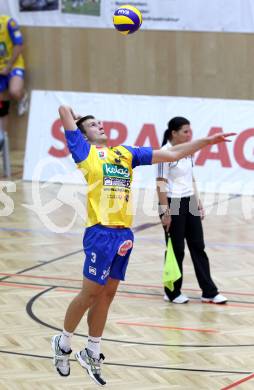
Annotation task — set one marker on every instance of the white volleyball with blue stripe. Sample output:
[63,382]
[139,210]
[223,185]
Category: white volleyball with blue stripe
[127,19]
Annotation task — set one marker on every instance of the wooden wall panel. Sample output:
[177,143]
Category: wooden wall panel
[149,62]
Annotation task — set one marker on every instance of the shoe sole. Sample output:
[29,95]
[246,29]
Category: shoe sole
[180,303]
[54,359]
[215,303]
[87,367]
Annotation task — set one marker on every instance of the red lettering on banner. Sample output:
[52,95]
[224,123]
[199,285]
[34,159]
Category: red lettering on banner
[148,132]
[58,134]
[148,136]
[122,132]
[221,155]
[239,149]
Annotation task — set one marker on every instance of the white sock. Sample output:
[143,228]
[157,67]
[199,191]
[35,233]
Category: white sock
[65,340]
[94,346]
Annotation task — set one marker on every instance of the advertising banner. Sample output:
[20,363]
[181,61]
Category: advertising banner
[190,15]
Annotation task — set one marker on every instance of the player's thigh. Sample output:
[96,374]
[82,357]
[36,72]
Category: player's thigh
[121,259]
[90,289]
[108,293]
[16,86]
[110,288]
[99,253]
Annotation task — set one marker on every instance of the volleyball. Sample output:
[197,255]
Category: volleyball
[127,19]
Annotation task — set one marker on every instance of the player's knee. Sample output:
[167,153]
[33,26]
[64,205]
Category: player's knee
[4,108]
[16,93]
[108,295]
[89,298]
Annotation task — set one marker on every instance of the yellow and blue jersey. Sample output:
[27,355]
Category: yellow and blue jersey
[108,172]
[10,36]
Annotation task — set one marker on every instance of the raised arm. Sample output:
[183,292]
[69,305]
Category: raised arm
[68,117]
[177,152]
[77,145]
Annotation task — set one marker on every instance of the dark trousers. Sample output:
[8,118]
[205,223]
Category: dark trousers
[186,224]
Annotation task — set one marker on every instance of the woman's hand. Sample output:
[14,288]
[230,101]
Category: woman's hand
[201,210]
[166,220]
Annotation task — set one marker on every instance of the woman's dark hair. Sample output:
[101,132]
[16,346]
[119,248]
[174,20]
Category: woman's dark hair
[175,124]
[80,122]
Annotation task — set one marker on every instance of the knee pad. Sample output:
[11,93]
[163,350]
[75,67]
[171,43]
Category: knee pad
[4,108]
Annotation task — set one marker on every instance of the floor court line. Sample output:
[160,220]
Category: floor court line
[20,275]
[119,293]
[29,310]
[146,325]
[236,384]
[131,365]
[7,284]
[45,263]
[144,296]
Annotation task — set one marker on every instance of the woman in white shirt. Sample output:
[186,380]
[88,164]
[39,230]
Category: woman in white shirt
[181,212]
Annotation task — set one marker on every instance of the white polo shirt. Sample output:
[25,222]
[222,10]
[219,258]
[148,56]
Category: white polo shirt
[179,176]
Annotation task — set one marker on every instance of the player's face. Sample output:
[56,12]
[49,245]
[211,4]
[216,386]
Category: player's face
[182,135]
[95,131]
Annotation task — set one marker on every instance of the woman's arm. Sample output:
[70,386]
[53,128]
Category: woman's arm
[161,186]
[199,202]
[177,152]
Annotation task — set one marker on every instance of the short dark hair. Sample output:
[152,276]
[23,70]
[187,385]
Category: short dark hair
[175,124]
[80,122]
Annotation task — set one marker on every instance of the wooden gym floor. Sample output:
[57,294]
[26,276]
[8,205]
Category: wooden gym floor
[148,343]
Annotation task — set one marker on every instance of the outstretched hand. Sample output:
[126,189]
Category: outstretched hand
[219,137]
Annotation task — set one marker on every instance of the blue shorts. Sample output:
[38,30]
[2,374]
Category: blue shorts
[107,253]
[4,80]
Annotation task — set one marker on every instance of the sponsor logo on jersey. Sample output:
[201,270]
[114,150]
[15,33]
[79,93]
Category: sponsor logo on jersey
[17,34]
[115,181]
[105,273]
[92,270]
[113,170]
[102,154]
[124,247]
